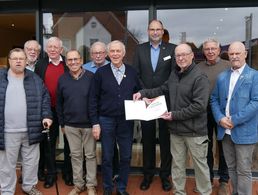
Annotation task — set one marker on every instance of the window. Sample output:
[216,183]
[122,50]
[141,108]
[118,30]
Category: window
[224,24]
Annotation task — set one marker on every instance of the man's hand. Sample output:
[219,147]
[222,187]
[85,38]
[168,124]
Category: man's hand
[96,131]
[148,101]
[167,116]
[47,123]
[226,123]
[137,96]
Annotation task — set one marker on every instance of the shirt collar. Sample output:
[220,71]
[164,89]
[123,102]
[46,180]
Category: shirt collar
[93,65]
[121,68]
[60,60]
[155,47]
[239,70]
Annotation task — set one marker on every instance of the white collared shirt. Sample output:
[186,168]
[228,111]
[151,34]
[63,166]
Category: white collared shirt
[233,79]
[60,60]
[119,73]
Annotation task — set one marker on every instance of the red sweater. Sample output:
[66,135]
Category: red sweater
[52,75]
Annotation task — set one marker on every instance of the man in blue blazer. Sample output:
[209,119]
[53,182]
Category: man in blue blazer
[234,102]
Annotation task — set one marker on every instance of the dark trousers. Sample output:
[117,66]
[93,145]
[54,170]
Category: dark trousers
[119,130]
[48,154]
[222,169]
[149,148]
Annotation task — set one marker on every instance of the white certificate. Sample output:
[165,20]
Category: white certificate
[138,110]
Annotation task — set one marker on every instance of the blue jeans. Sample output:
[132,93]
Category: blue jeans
[119,130]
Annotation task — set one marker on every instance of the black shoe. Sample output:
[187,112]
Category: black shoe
[49,182]
[107,192]
[41,176]
[122,193]
[166,185]
[68,180]
[146,183]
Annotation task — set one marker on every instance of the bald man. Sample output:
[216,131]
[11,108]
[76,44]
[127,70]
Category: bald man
[188,90]
[234,102]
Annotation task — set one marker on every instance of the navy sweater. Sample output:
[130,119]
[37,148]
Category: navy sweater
[107,97]
[73,100]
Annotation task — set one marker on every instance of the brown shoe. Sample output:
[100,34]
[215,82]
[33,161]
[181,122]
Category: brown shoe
[223,189]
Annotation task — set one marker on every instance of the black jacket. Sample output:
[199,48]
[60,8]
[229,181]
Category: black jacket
[38,105]
[41,67]
[142,64]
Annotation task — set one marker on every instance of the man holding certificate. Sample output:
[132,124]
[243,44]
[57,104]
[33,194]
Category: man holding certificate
[112,84]
[153,61]
[188,90]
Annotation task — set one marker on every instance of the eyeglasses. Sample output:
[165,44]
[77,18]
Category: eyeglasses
[210,49]
[99,53]
[70,60]
[17,59]
[155,30]
[31,49]
[183,55]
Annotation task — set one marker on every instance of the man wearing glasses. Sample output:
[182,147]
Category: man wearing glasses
[212,66]
[72,109]
[32,49]
[98,56]
[188,89]
[153,62]
[24,108]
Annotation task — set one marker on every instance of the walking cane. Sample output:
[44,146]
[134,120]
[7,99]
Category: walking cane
[46,131]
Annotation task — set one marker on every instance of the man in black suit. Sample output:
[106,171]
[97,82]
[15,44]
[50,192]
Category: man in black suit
[153,62]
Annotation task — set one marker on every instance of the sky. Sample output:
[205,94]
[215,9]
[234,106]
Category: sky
[224,24]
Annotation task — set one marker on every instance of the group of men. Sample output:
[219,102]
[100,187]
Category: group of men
[87,102]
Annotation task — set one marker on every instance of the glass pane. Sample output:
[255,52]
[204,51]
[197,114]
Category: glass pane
[138,24]
[81,30]
[15,30]
[225,24]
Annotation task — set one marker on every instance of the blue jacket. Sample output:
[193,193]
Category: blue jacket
[38,105]
[243,105]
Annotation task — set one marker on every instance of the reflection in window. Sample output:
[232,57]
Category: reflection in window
[225,24]
[81,29]
[137,24]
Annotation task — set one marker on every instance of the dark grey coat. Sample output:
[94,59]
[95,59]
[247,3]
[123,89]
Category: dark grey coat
[188,96]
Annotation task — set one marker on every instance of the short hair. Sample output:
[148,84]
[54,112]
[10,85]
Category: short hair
[16,50]
[73,50]
[100,44]
[27,43]
[213,40]
[116,42]
[155,20]
[54,39]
